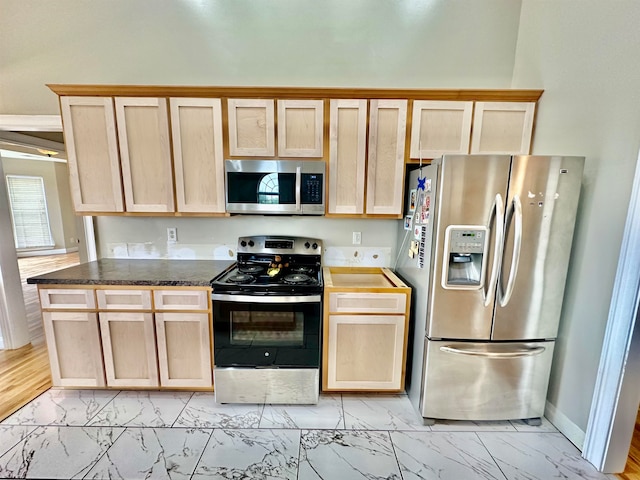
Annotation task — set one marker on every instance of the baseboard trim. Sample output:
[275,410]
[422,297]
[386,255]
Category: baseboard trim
[569,429]
[38,253]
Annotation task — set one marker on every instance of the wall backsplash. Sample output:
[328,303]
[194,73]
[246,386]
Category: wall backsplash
[216,238]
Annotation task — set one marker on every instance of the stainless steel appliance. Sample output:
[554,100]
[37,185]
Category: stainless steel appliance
[267,314]
[486,248]
[284,187]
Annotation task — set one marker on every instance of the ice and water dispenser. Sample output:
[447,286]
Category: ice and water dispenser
[464,257]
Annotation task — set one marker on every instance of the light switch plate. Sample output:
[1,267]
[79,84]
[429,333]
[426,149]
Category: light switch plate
[357,238]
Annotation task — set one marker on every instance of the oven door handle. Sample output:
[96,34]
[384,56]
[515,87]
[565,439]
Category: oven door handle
[266,298]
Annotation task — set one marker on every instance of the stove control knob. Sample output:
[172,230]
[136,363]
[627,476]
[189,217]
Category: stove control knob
[243,243]
[315,245]
[251,243]
[307,245]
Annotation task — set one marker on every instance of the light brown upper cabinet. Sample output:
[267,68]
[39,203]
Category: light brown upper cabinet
[251,127]
[503,127]
[385,169]
[196,128]
[440,127]
[347,150]
[92,151]
[300,127]
[145,153]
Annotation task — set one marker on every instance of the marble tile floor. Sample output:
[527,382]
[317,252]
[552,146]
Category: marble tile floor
[99,434]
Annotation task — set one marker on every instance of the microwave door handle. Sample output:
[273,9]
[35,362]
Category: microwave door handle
[515,258]
[498,219]
[298,188]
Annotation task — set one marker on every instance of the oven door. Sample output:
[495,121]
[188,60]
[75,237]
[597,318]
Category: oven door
[266,330]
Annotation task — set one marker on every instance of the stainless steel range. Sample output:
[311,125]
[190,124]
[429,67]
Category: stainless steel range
[267,315]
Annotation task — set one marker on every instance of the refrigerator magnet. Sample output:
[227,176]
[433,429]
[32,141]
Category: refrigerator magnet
[416,232]
[412,200]
[424,215]
[408,222]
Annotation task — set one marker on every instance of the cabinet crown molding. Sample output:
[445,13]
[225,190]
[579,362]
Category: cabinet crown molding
[486,95]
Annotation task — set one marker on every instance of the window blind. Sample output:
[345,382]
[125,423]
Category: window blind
[29,214]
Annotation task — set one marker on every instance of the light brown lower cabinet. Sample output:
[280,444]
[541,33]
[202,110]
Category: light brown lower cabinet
[366,321]
[128,337]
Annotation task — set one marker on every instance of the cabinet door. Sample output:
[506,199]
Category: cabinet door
[251,127]
[503,127]
[347,147]
[385,171]
[129,347]
[73,342]
[300,127]
[92,154]
[196,128]
[440,127]
[366,352]
[143,134]
[184,349]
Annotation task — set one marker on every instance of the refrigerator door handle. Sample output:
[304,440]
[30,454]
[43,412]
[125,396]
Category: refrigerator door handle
[498,208]
[516,353]
[517,245]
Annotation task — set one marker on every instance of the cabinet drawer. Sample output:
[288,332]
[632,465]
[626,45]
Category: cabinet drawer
[368,302]
[67,298]
[181,299]
[124,299]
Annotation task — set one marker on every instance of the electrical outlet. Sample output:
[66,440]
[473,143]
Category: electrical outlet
[172,234]
[357,238]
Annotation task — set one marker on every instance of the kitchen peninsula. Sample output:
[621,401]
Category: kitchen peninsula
[130,323]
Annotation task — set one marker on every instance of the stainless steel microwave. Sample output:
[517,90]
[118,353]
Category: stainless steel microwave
[275,187]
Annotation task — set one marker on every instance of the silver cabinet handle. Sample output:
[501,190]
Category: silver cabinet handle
[498,208]
[521,352]
[517,245]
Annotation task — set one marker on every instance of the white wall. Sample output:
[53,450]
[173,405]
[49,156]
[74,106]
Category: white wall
[360,43]
[217,238]
[585,54]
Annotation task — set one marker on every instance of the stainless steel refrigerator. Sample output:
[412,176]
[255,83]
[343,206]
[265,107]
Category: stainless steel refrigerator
[486,243]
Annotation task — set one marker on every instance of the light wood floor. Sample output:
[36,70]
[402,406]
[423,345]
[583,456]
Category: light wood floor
[24,372]
[632,470]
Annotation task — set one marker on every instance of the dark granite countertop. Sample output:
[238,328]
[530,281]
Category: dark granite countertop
[111,271]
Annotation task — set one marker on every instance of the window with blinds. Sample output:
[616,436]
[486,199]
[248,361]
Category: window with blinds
[29,212]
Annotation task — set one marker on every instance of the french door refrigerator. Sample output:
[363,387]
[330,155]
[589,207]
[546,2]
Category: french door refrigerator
[486,245]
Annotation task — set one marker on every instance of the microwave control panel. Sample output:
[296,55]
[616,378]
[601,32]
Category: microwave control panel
[311,190]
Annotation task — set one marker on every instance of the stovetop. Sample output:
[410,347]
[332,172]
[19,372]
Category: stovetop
[273,265]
